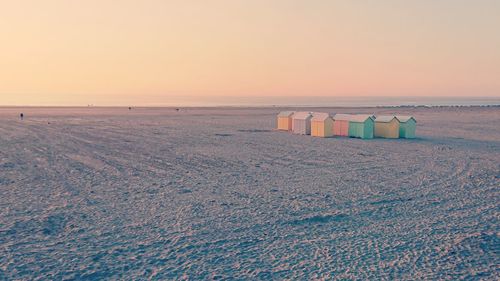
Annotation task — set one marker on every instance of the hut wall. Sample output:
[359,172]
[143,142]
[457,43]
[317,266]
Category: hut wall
[280,123]
[336,128]
[361,130]
[344,128]
[407,129]
[387,129]
[316,128]
[307,125]
[328,128]
[289,123]
[355,129]
[284,123]
[368,128]
[301,126]
[295,126]
[322,128]
[340,128]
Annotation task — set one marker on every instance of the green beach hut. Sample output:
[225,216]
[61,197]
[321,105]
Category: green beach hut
[407,126]
[361,126]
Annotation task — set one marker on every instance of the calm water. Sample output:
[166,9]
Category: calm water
[316,101]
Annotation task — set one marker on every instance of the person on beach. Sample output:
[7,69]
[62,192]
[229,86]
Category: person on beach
[22,116]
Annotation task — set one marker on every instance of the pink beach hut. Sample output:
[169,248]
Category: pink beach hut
[341,124]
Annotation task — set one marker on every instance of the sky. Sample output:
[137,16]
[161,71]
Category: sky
[103,52]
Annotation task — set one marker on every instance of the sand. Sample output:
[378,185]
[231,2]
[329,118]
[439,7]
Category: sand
[216,193]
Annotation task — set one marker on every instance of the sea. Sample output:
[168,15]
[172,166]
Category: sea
[319,101]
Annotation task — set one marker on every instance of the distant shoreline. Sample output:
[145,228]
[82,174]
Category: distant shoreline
[264,102]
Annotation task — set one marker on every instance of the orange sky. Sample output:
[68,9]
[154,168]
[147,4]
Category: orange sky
[104,52]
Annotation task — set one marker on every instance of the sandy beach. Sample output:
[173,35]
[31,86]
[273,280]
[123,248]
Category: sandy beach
[216,193]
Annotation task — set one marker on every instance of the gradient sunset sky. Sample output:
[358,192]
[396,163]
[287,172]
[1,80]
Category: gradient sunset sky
[111,52]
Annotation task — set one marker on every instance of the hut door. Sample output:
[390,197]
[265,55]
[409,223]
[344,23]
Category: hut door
[344,128]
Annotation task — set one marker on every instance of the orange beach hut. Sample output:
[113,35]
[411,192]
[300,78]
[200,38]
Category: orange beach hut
[285,120]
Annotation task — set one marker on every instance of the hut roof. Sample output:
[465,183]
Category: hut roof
[353,117]
[385,118]
[301,115]
[404,119]
[285,113]
[320,116]
[342,117]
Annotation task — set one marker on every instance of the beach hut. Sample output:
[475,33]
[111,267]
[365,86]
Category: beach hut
[321,125]
[387,127]
[301,123]
[407,126]
[341,124]
[285,120]
[361,126]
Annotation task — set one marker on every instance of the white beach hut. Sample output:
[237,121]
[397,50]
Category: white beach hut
[301,123]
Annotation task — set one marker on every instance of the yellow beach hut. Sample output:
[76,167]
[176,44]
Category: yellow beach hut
[407,126]
[321,125]
[285,120]
[387,127]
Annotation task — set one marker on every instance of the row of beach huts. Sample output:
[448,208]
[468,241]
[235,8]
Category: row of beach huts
[364,126]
